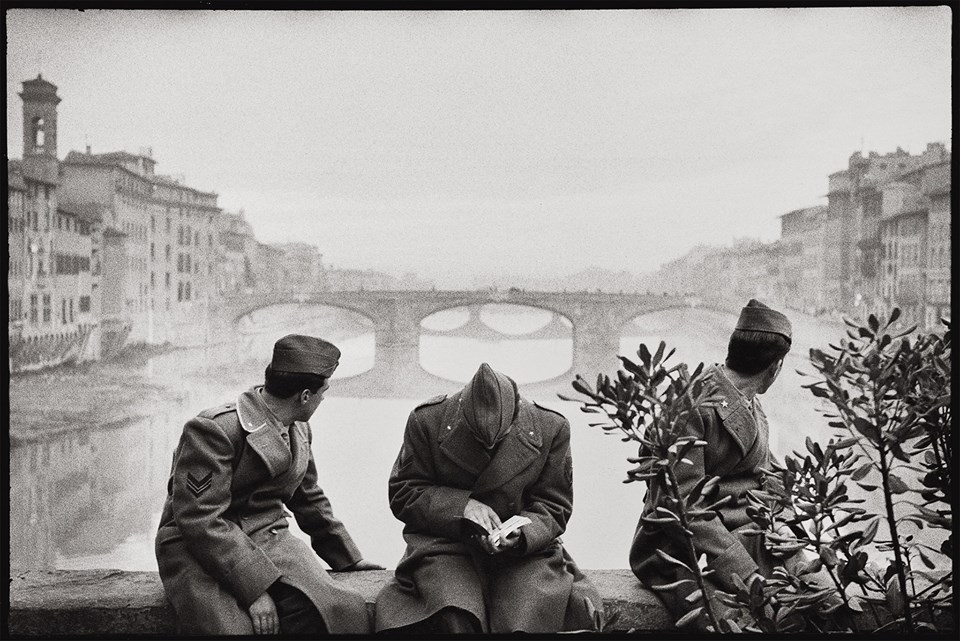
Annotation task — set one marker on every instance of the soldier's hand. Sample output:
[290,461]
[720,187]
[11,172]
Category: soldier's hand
[497,545]
[481,514]
[263,614]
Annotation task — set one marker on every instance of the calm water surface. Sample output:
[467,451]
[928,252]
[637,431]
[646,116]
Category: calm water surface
[92,499]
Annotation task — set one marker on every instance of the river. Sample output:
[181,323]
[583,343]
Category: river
[91,498]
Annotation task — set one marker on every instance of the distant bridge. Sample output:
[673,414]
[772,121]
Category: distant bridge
[596,320]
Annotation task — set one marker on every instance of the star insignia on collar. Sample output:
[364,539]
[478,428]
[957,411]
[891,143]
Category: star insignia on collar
[723,403]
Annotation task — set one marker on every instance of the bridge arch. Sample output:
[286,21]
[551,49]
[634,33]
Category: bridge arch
[482,303]
[356,309]
[530,343]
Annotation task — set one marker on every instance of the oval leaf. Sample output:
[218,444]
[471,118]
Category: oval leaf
[896,484]
[689,617]
[861,471]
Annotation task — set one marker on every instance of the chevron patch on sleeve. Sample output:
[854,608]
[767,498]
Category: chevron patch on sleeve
[199,485]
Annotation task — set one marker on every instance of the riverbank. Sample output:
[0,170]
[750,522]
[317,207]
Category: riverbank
[81,395]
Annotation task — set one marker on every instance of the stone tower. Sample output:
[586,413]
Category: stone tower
[40,129]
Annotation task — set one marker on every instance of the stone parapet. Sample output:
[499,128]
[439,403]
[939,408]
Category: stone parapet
[77,603]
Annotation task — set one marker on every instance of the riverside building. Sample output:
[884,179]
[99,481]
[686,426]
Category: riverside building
[160,237]
[49,266]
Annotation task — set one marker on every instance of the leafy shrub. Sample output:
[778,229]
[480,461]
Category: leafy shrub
[891,396]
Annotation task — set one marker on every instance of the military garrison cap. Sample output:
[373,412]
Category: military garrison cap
[305,354]
[489,404]
[757,317]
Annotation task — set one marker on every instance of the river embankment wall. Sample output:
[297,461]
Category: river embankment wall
[98,603]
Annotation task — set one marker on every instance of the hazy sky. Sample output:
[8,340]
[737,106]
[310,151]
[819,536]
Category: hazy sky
[462,143]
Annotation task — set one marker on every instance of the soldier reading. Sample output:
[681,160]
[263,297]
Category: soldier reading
[468,463]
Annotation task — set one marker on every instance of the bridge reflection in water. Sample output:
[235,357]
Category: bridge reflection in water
[593,320]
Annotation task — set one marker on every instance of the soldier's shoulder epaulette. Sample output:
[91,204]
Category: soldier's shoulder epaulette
[433,400]
[214,412]
[552,411]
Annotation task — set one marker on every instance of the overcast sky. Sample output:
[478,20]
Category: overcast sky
[454,144]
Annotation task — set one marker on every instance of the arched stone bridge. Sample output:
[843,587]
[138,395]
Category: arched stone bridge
[597,319]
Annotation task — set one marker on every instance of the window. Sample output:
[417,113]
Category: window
[33,308]
[63,311]
[187,291]
[153,224]
[84,304]
[152,280]
[179,291]
[168,280]
[46,308]
[39,135]
[71,310]
[167,251]
[151,252]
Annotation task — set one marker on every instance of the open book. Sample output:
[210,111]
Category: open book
[513,523]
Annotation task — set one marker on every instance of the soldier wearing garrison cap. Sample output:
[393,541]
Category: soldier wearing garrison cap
[227,560]
[469,462]
[737,435]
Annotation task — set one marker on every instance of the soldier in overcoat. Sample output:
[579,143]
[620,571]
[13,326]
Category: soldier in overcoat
[227,559]
[485,454]
[736,431]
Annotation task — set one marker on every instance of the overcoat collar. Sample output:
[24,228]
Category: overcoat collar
[264,431]
[513,454]
[735,415]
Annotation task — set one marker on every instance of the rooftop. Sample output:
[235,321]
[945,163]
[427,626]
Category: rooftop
[90,212]
[15,176]
[38,88]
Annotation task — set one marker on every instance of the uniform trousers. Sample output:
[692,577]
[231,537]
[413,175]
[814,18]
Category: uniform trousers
[448,620]
[296,612]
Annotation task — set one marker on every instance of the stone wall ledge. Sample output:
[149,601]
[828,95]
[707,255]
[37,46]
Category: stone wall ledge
[75,603]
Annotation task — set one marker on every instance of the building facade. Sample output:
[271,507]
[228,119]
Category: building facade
[236,255]
[163,284]
[935,186]
[882,241]
[48,269]
[802,265]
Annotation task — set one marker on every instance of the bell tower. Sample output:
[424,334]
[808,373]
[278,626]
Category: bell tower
[40,102]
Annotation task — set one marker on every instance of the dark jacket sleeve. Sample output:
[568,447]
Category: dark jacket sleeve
[314,514]
[415,497]
[202,474]
[725,553]
[550,499]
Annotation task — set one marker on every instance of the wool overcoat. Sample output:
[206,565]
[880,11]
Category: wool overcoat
[224,538]
[737,448]
[536,588]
